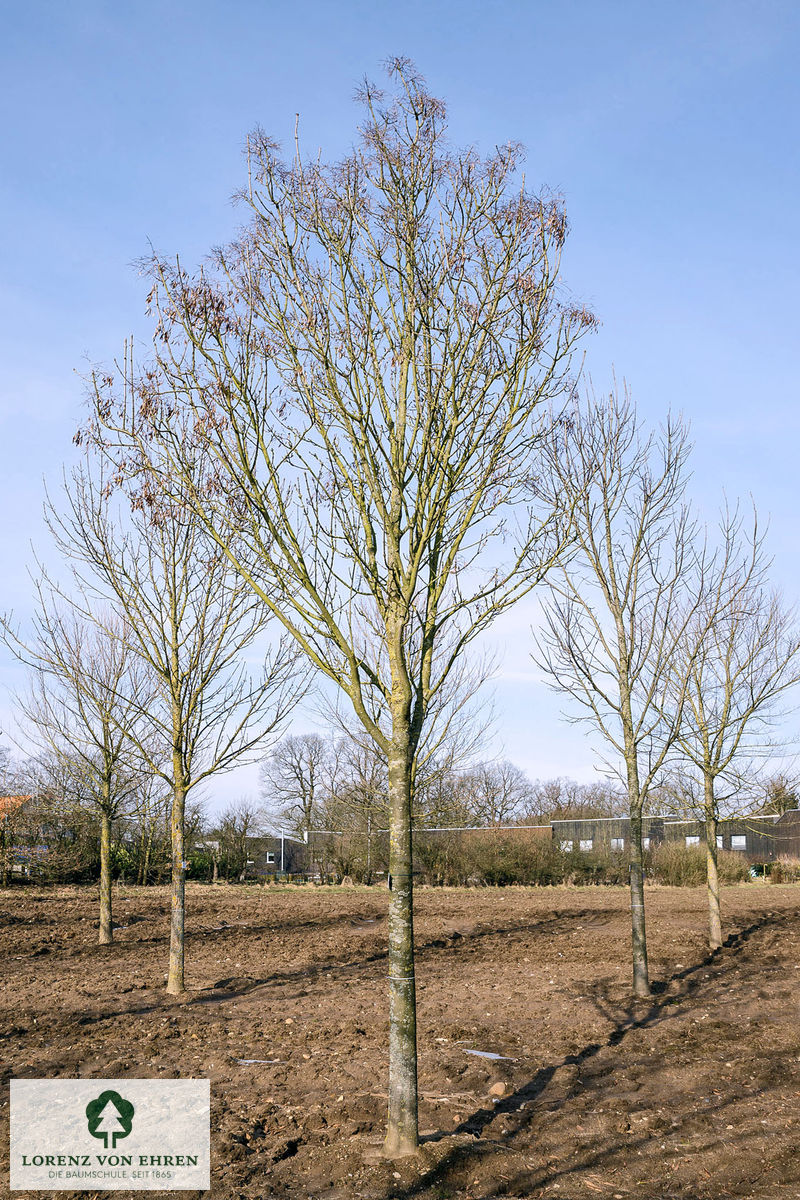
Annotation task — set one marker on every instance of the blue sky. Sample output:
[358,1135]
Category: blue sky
[670,129]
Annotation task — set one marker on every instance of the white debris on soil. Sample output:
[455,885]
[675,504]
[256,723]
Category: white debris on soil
[489,1054]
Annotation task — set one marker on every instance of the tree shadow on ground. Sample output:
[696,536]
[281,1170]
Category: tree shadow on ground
[664,1005]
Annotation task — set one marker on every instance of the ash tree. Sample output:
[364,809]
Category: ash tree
[731,674]
[189,620]
[84,709]
[367,372]
[618,608]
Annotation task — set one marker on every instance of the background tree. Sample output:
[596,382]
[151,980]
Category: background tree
[85,704]
[736,660]
[781,793]
[294,780]
[240,820]
[611,625]
[494,793]
[563,799]
[10,804]
[367,368]
[189,618]
[57,833]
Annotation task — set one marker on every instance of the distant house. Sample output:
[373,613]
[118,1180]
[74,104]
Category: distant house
[762,838]
[275,854]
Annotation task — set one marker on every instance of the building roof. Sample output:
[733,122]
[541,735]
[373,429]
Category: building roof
[9,803]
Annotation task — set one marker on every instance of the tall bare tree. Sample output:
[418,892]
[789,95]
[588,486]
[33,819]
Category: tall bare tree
[368,369]
[612,625]
[294,779]
[737,660]
[189,618]
[85,704]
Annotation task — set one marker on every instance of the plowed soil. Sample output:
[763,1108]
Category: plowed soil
[695,1093]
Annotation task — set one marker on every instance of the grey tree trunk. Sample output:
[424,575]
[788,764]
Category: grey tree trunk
[402,1135]
[712,875]
[5,845]
[175,979]
[641,974]
[140,875]
[106,932]
[148,854]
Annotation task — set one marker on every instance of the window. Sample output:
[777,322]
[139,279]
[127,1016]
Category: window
[739,841]
[618,843]
[719,841]
[692,841]
[270,856]
[586,843]
[566,845]
[645,843]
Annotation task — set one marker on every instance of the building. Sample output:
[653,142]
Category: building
[276,854]
[759,838]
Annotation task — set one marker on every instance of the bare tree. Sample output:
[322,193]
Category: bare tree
[189,617]
[368,369]
[494,793]
[293,781]
[241,820]
[85,704]
[737,659]
[11,801]
[611,625]
[781,793]
[566,800]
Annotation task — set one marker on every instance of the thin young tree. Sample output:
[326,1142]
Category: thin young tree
[84,705]
[369,369]
[611,625]
[189,618]
[733,668]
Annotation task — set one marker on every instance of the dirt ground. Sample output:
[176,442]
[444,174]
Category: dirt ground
[694,1094]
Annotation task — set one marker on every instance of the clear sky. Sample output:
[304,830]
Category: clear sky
[671,130]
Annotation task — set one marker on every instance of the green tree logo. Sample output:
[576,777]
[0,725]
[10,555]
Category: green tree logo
[109,1116]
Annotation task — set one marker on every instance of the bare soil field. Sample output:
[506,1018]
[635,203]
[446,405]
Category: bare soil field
[695,1093]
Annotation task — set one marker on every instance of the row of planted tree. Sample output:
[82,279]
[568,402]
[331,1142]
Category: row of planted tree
[359,436]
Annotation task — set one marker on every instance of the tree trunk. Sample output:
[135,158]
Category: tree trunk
[641,975]
[106,932]
[5,843]
[140,875]
[175,980]
[402,1132]
[712,876]
[148,852]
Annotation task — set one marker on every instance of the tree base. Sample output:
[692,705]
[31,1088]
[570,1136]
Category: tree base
[398,1146]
